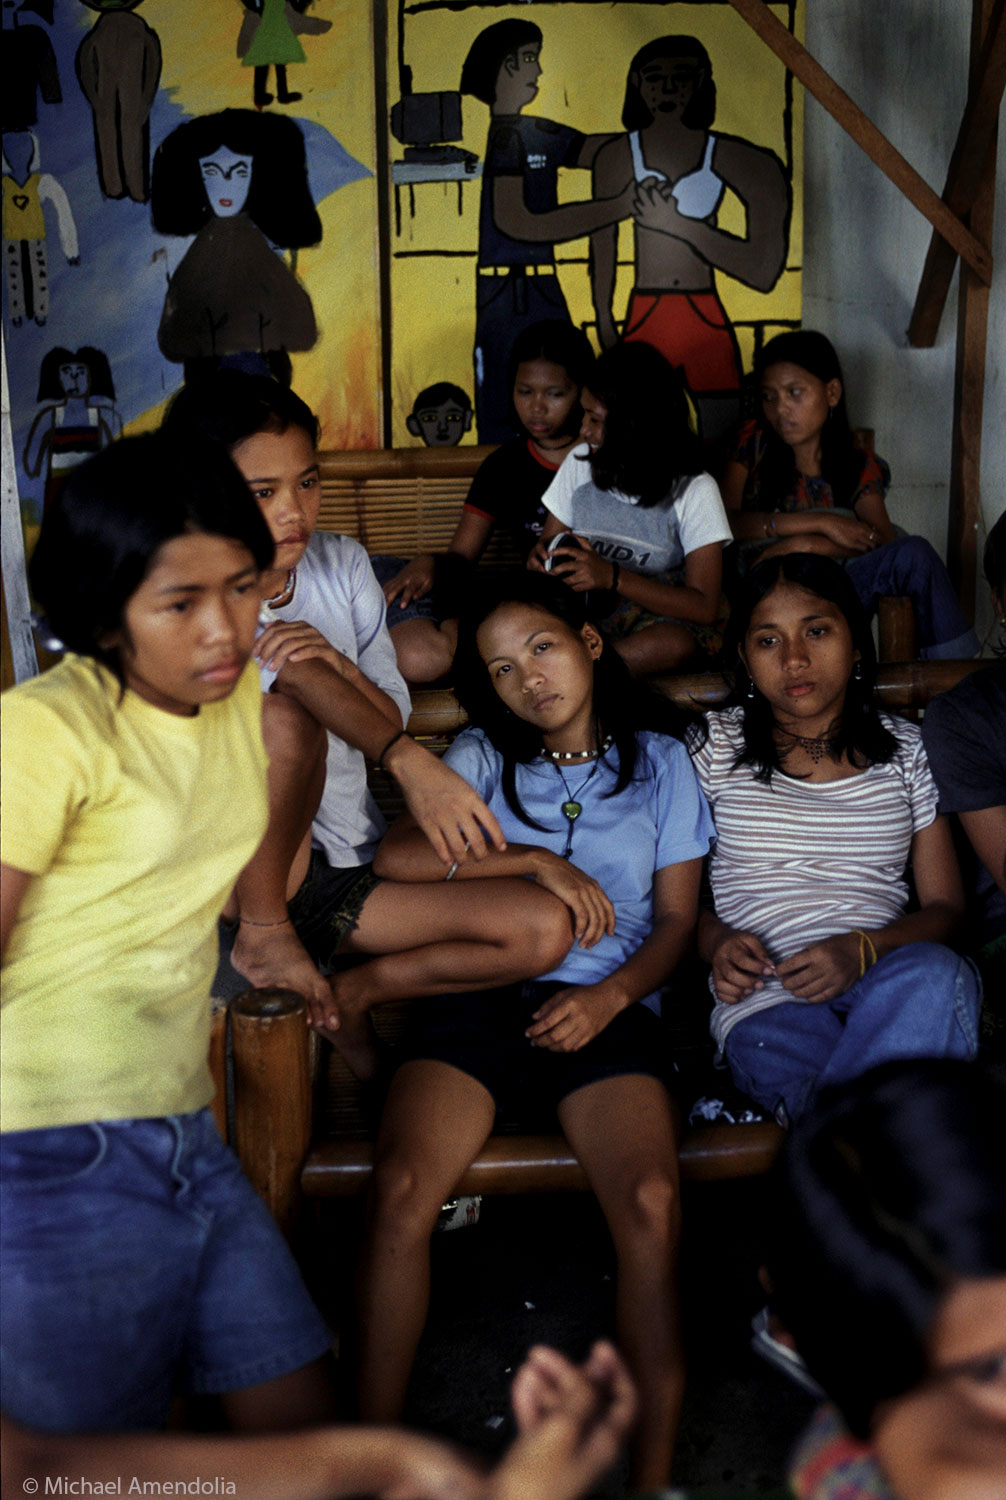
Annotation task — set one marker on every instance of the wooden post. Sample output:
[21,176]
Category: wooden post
[272,1096]
[895,629]
[969,384]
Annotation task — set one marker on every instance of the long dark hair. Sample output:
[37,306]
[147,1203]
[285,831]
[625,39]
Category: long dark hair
[841,460]
[701,109]
[649,442]
[622,704]
[279,198]
[891,1189]
[861,733]
[102,531]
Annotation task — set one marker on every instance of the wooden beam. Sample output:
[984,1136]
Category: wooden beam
[974,141]
[969,384]
[866,135]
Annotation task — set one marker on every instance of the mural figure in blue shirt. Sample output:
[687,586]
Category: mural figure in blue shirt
[520,218]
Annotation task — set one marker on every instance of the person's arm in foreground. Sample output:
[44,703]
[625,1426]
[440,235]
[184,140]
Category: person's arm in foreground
[571,1421]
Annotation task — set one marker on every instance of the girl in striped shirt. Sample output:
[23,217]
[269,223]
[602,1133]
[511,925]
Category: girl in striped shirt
[819,968]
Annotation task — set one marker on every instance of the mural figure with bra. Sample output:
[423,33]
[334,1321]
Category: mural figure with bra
[682,170]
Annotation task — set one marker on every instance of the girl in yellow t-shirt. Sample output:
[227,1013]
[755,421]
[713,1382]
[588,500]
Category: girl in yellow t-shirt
[136,1257]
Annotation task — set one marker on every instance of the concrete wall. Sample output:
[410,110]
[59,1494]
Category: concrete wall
[905,63]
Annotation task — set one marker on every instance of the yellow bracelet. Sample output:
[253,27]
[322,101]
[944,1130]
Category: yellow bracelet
[867,951]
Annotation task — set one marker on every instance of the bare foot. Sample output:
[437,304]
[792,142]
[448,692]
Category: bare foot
[275,957]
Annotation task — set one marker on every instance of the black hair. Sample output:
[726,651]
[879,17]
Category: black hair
[861,733]
[227,406]
[279,198]
[891,1189]
[436,395]
[841,460]
[557,341]
[100,383]
[649,442]
[102,531]
[489,51]
[701,108]
[623,705]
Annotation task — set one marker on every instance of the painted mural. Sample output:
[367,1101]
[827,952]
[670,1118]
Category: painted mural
[184,182]
[634,168]
[190,182]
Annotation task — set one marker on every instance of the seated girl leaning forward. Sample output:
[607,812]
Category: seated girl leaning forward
[548,365]
[136,1256]
[819,968]
[649,522]
[584,771]
[797,482]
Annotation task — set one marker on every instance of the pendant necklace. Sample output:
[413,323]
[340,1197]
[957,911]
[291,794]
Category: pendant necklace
[571,808]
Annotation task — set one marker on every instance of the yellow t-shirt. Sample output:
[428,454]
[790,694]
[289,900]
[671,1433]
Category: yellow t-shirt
[136,823]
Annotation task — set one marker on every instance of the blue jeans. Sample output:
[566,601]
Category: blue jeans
[137,1258]
[909,566]
[922,1000]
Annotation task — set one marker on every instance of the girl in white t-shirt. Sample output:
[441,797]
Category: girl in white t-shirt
[819,968]
[649,521]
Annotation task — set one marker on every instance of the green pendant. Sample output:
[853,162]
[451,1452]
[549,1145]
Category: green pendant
[571,810]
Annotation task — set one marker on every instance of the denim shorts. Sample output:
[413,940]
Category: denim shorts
[385,569]
[482,1034]
[137,1260]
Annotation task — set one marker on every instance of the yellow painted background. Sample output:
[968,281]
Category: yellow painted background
[585,55]
[340,376]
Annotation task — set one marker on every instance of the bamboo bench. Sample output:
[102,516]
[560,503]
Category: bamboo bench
[299,1122]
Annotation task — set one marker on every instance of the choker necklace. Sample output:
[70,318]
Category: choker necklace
[556,755]
[291,579]
[571,808]
[816,747]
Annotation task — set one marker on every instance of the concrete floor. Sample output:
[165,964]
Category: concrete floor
[541,1270]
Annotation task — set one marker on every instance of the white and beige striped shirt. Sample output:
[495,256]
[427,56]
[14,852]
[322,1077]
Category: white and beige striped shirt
[798,861]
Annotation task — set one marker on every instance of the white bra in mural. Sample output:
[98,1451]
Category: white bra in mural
[698,193]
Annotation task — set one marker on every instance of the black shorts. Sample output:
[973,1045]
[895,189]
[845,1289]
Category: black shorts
[482,1034]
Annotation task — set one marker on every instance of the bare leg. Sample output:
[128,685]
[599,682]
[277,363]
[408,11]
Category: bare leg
[625,1134]
[435,1122]
[425,650]
[658,648]
[267,951]
[437,939]
[303,1398]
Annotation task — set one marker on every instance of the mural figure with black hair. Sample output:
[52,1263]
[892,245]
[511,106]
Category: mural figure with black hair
[682,170]
[28,65]
[119,67]
[520,218]
[26,190]
[238,181]
[268,38]
[441,415]
[77,416]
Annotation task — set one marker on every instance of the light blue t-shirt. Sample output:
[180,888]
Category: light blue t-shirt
[660,819]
